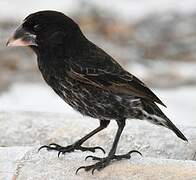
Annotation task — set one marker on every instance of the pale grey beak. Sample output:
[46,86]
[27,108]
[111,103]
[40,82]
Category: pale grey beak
[22,38]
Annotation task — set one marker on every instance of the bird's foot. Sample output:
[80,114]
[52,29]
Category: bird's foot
[103,162]
[70,148]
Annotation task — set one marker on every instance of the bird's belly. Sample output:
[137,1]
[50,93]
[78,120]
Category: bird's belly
[95,102]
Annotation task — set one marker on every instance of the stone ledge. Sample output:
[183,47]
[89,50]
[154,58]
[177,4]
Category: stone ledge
[25,163]
[32,129]
[21,134]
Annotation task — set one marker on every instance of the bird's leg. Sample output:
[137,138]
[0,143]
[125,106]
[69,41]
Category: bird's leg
[103,162]
[77,144]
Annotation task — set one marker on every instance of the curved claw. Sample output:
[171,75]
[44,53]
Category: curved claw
[59,153]
[55,145]
[45,146]
[82,167]
[134,151]
[52,146]
[92,149]
[93,158]
[89,157]
[97,147]
[93,171]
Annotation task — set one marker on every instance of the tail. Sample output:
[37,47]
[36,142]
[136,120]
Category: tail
[171,126]
[154,114]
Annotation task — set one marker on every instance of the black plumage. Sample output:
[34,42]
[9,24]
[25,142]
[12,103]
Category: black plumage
[88,79]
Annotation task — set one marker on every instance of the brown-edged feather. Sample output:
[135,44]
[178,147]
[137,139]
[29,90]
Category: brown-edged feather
[123,83]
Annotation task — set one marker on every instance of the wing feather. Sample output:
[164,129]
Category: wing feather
[113,79]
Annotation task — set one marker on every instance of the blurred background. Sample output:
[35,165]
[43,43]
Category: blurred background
[153,39]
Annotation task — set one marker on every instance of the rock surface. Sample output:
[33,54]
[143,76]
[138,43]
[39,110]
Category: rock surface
[32,128]
[25,163]
[21,133]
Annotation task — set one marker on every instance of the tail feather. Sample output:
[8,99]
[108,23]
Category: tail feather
[171,126]
[154,114]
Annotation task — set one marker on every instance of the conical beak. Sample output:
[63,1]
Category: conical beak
[22,37]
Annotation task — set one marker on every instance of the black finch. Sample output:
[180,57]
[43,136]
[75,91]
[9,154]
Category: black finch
[89,80]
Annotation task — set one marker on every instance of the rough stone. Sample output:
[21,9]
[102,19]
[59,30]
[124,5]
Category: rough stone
[31,165]
[32,128]
[21,133]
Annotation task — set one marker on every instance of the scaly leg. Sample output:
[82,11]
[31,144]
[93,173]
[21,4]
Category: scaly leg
[103,162]
[77,144]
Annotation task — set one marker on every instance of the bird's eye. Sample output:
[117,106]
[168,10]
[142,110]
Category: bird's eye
[36,27]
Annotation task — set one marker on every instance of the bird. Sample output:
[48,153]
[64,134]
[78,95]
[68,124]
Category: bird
[89,80]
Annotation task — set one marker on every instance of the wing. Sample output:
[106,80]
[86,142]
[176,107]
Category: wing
[102,71]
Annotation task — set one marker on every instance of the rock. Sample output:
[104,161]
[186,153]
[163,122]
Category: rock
[32,128]
[9,158]
[165,156]
[25,163]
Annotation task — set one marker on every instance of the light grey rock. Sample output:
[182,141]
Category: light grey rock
[9,160]
[31,128]
[21,134]
[47,166]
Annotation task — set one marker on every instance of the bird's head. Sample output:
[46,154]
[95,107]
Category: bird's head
[44,28]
